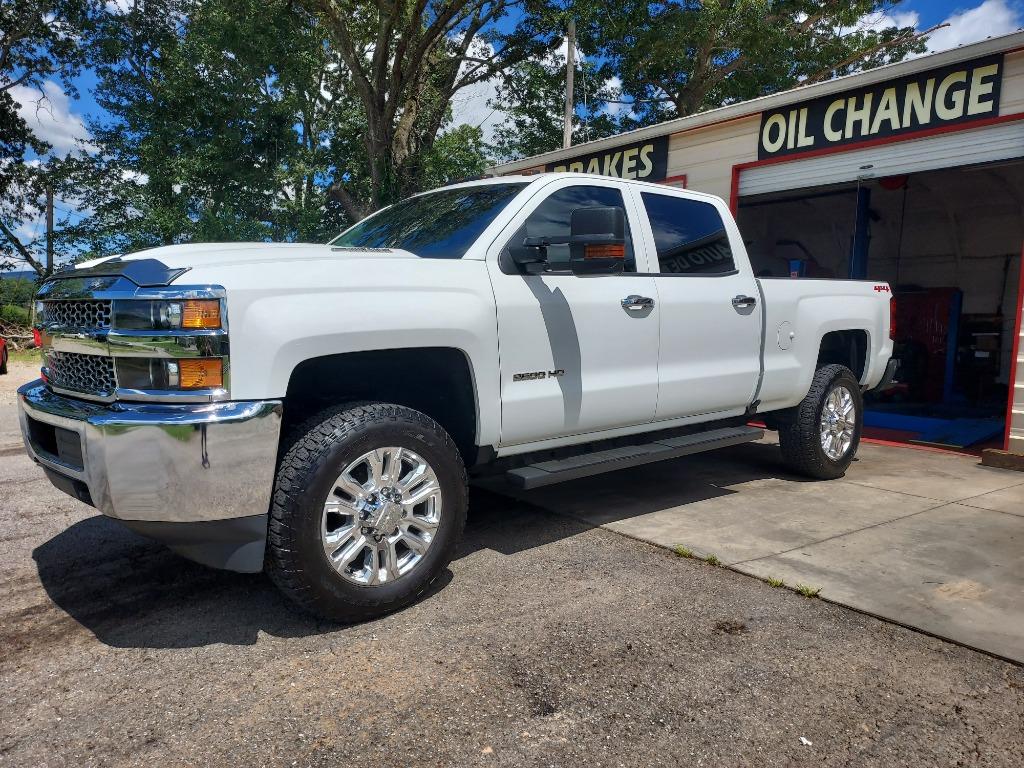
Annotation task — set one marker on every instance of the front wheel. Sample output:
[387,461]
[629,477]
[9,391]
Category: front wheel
[820,436]
[369,504]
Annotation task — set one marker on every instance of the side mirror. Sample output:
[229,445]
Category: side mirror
[597,243]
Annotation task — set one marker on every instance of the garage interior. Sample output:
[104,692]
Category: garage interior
[949,242]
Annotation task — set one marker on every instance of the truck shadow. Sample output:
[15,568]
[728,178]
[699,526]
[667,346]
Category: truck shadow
[132,593]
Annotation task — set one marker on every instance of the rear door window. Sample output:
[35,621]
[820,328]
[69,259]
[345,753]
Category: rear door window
[689,236]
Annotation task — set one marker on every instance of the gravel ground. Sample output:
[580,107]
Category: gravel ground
[548,644]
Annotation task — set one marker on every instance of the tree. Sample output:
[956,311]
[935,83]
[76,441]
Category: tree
[677,58]
[532,96]
[38,42]
[220,118]
[406,61]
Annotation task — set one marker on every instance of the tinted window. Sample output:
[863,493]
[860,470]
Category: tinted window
[552,219]
[689,236]
[438,225]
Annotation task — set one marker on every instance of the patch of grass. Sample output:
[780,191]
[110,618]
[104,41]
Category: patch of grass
[30,356]
[682,551]
[712,560]
[807,591]
[773,582]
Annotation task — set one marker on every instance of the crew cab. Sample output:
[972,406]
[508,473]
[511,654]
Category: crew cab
[318,410]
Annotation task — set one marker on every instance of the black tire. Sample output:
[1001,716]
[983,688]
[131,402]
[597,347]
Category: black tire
[3,361]
[800,429]
[295,558]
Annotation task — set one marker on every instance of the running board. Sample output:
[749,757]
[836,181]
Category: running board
[561,470]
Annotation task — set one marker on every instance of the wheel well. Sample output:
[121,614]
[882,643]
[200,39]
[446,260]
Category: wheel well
[436,381]
[849,348]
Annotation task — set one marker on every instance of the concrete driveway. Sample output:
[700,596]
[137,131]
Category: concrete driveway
[927,539]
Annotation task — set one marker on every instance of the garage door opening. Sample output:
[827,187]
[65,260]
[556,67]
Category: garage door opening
[949,242]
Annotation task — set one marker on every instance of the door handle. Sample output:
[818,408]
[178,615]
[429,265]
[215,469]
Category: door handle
[634,303]
[744,302]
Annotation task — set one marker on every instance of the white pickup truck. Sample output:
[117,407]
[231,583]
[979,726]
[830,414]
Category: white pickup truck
[314,410]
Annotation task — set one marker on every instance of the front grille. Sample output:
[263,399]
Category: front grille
[88,374]
[83,314]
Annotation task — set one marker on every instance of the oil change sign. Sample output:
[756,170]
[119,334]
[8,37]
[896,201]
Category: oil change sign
[959,93]
[646,160]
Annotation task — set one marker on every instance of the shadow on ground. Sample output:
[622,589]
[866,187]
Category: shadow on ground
[130,592]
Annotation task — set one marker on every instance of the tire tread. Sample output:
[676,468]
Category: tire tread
[310,443]
[799,435]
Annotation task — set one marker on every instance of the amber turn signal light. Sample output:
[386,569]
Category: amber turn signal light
[599,251]
[201,373]
[200,313]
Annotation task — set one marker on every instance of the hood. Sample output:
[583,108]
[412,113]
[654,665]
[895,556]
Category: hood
[225,254]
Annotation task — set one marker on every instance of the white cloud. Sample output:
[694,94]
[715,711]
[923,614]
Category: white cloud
[470,107]
[876,22]
[470,104]
[989,19]
[49,116]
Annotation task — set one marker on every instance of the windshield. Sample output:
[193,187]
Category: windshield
[438,225]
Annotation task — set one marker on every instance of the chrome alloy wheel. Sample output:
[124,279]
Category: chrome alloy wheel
[381,516]
[838,422]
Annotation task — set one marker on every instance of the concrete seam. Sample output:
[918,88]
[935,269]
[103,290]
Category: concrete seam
[841,535]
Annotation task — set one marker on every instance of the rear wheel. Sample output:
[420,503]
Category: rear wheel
[369,505]
[819,437]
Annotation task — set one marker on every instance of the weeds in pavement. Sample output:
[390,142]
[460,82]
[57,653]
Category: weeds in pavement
[773,582]
[682,551]
[807,591]
[712,560]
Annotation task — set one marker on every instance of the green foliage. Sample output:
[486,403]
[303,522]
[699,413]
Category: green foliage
[712,560]
[40,42]
[682,551]
[808,591]
[532,94]
[221,124]
[771,581]
[456,155]
[675,59]
[17,291]
[10,313]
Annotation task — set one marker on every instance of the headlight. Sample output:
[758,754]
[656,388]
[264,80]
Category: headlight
[142,373]
[187,314]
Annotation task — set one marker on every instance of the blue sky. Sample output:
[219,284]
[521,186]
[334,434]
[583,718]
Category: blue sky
[61,120]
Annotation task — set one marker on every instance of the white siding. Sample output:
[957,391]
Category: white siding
[707,155]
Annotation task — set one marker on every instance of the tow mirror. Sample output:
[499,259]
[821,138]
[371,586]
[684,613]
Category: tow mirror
[597,243]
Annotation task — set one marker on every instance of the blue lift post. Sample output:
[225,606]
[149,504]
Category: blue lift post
[861,235]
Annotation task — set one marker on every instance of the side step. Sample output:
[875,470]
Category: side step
[560,470]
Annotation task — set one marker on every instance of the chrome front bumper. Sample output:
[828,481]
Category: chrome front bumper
[185,474]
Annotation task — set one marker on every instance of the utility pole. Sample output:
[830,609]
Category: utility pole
[49,230]
[570,70]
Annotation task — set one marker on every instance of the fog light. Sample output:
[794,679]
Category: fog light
[173,375]
[200,373]
[200,313]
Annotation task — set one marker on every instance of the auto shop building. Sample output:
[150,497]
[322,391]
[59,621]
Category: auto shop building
[911,173]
